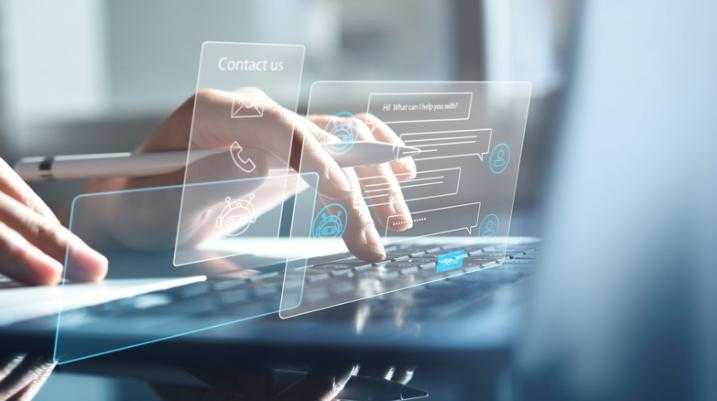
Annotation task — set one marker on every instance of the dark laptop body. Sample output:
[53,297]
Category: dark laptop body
[465,320]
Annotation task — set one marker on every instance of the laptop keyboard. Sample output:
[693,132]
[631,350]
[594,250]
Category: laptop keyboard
[337,276]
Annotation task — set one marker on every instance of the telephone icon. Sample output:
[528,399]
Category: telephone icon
[245,164]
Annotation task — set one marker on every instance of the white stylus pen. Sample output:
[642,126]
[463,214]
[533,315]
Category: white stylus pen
[68,167]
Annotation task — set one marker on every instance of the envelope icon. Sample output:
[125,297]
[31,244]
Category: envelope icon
[242,109]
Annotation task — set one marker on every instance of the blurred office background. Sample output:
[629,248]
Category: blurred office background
[98,76]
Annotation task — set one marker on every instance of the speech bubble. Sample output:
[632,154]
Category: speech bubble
[427,184]
[450,219]
[420,106]
[448,144]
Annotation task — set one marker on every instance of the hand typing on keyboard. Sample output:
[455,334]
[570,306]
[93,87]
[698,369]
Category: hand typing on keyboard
[279,134]
[33,241]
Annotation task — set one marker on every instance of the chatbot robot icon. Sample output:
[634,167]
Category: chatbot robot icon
[237,214]
[330,221]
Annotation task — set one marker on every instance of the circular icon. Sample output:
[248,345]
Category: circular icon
[330,222]
[344,131]
[237,214]
[489,226]
[499,158]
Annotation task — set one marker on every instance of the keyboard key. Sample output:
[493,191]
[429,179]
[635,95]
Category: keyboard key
[477,260]
[521,261]
[314,277]
[409,270]
[223,285]
[193,290]
[433,250]
[401,254]
[399,265]
[427,266]
[423,259]
[342,287]
[363,267]
[263,276]
[341,273]
[230,297]
[388,275]
[328,259]
[315,294]
[264,290]
[339,265]
[148,301]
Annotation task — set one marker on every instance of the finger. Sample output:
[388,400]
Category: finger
[383,133]
[22,261]
[309,155]
[361,237]
[360,234]
[382,190]
[51,238]
[14,186]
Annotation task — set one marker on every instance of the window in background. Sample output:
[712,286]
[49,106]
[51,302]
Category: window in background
[80,68]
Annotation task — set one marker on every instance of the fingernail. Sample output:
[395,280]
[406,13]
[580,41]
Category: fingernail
[405,216]
[86,263]
[53,275]
[372,243]
[402,219]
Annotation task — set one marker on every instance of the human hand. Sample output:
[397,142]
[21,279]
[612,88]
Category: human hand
[33,242]
[280,135]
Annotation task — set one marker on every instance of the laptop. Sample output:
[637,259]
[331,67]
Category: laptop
[137,303]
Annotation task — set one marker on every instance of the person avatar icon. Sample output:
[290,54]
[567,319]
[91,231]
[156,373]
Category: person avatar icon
[499,158]
[489,226]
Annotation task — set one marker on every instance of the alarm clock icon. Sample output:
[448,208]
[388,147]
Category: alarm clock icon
[237,213]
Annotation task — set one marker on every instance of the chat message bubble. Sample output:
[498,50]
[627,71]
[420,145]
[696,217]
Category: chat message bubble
[451,219]
[420,107]
[448,144]
[427,184]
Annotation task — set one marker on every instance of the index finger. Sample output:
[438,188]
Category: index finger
[12,185]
